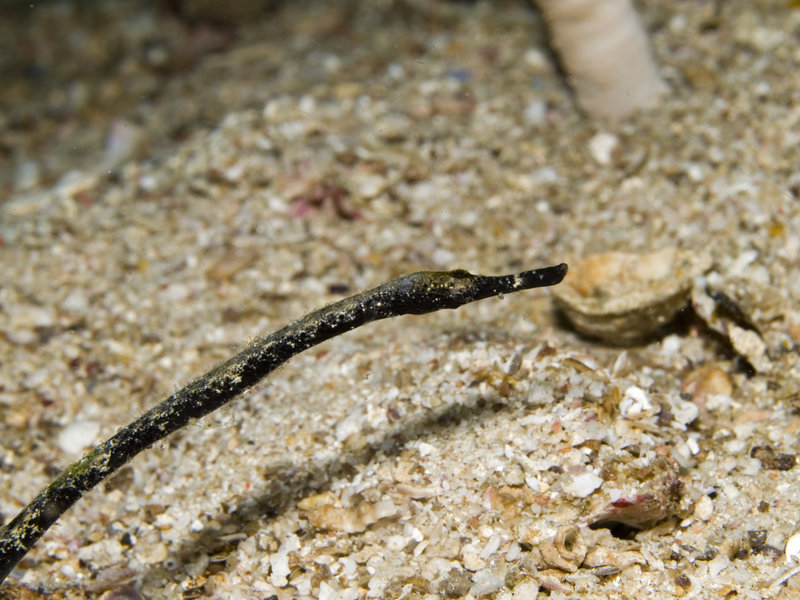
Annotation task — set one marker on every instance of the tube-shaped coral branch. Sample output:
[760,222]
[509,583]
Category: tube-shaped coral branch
[606,54]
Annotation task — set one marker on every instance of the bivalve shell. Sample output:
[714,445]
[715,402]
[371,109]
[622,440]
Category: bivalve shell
[622,297]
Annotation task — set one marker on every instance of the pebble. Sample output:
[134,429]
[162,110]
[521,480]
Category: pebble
[635,402]
[77,436]
[718,564]
[683,412]
[76,301]
[23,316]
[704,508]
[153,554]
[394,127]
[279,561]
[415,491]
[792,550]
[705,381]
[530,182]
[326,592]
[486,582]
[124,141]
[473,562]
[739,329]
[231,262]
[368,185]
[536,112]
[581,485]
[122,593]
[778,461]
[27,175]
[515,476]
[351,520]
[750,345]
[536,59]
[526,590]
[602,147]
[603,556]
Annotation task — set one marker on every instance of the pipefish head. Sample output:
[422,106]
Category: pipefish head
[432,290]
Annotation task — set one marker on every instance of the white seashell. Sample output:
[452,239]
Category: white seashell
[793,548]
[635,403]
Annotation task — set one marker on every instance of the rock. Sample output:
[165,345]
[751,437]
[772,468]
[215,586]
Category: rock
[704,508]
[77,436]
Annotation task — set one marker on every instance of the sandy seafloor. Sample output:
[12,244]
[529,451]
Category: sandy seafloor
[170,189]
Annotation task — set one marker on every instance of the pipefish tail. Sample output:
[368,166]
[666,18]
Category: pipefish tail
[418,293]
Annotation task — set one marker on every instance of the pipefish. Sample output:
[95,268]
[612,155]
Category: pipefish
[417,293]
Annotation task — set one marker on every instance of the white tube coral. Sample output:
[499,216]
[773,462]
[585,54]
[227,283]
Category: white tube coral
[606,54]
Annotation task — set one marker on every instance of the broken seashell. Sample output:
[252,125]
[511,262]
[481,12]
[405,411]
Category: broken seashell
[750,345]
[704,383]
[706,380]
[655,500]
[726,315]
[351,520]
[231,262]
[622,298]
[550,580]
[793,548]
[569,543]
[567,550]
[602,556]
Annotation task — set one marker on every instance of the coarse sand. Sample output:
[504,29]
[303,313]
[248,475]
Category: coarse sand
[171,188]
